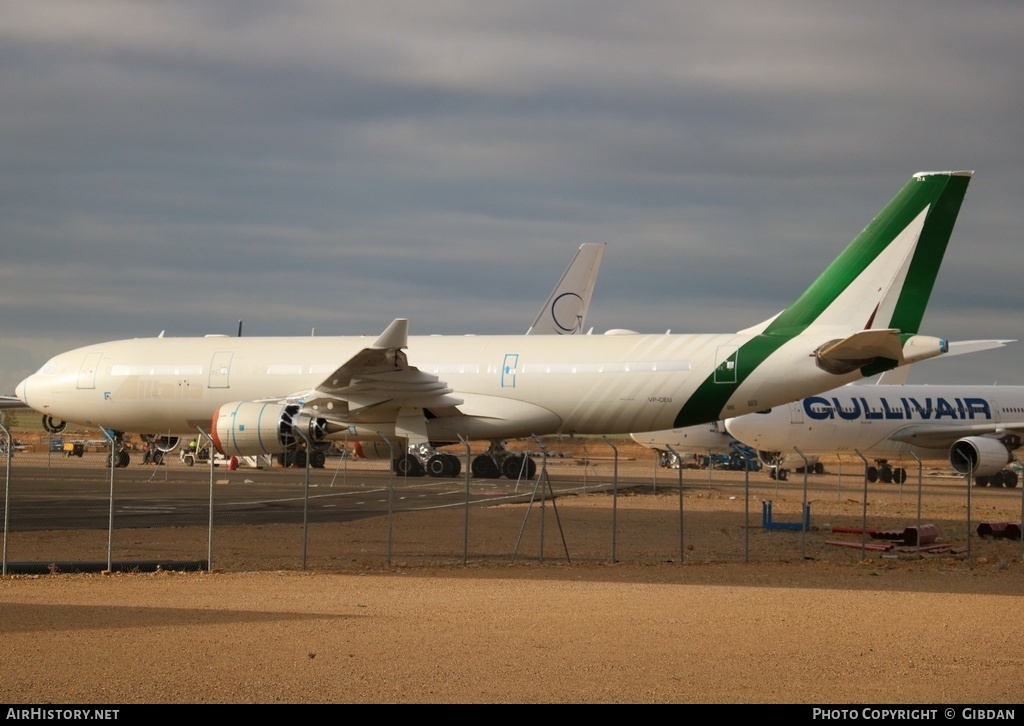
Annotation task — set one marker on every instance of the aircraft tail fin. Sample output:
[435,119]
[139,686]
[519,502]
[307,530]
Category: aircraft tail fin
[884,278]
[565,311]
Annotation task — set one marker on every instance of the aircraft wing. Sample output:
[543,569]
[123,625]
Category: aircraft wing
[935,436]
[11,402]
[378,378]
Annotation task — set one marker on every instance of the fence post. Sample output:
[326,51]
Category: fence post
[7,491]
[615,491]
[682,549]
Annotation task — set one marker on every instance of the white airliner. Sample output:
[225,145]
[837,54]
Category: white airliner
[975,427]
[270,395]
[776,435]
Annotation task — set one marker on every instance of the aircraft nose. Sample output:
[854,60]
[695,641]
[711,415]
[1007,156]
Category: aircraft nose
[21,391]
[735,427]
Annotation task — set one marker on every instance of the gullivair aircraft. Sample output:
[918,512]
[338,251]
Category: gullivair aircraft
[262,395]
[925,425]
[976,427]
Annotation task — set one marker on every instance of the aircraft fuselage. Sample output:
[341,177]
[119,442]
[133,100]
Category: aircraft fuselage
[510,386]
[882,420]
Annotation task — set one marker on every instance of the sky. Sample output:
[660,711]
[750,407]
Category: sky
[325,166]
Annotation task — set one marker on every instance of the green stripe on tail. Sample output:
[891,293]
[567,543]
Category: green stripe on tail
[941,194]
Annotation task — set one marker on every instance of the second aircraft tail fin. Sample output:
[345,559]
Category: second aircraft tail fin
[565,312]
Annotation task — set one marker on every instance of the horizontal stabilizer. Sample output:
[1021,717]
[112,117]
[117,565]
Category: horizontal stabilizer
[899,376]
[958,347]
[866,346]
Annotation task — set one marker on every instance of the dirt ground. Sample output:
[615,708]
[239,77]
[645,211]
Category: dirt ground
[724,612]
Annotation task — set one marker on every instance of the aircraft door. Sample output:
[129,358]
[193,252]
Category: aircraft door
[796,412]
[87,373]
[220,369]
[725,364]
[508,370]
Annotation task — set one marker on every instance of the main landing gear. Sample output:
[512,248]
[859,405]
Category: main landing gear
[883,471]
[1005,478]
[297,458]
[497,461]
[119,457]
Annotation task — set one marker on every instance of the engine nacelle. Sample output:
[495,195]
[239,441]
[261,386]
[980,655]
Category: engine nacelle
[375,450]
[53,426]
[166,444]
[979,455]
[251,428]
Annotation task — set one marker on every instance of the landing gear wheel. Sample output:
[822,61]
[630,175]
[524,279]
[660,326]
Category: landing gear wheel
[819,468]
[1010,479]
[317,459]
[872,474]
[483,467]
[514,465]
[408,465]
[982,481]
[120,458]
[511,466]
[438,465]
[885,474]
[899,475]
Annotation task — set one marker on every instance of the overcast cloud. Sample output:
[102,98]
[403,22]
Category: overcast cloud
[331,165]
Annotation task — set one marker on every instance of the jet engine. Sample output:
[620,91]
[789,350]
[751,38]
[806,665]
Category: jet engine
[375,450]
[53,426]
[979,455]
[166,444]
[252,428]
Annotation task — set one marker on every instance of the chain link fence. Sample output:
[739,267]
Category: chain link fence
[79,501]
